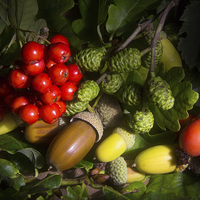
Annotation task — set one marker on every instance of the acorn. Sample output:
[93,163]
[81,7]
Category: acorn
[160,159]
[120,140]
[120,172]
[109,110]
[41,132]
[73,142]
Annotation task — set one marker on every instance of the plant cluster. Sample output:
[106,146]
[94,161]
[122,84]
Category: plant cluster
[99,97]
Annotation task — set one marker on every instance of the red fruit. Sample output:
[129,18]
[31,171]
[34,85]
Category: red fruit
[41,83]
[68,90]
[34,68]
[19,79]
[52,95]
[10,97]
[3,107]
[49,63]
[189,139]
[45,49]
[59,38]
[29,113]
[50,113]
[75,74]
[32,52]
[5,86]
[18,103]
[59,52]
[58,74]
[62,105]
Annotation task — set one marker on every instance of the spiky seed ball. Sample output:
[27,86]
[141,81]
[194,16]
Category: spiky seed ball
[93,119]
[109,110]
[130,94]
[111,83]
[127,135]
[159,92]
[88,90]
[90,59]
[142,121]
[117,170]
[75,106]
[146,59]
[126,60]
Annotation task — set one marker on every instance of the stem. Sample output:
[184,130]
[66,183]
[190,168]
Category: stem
[158,30]
[90,108]
[102,77]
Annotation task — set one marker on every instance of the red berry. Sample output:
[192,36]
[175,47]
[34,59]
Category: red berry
[41,82]
[29,113]
[59,38]
[75,74]
[52,95]
[19,79]
[189,139]
[68,90]
[62,105]
[45,49]
[58,74]
[59,52]
[32,52]
[5,86]
[34,68]
[18,103]
[10,97]
[49,113]
[49,63]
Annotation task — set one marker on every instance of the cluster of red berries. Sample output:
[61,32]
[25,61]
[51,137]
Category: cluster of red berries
[40,82]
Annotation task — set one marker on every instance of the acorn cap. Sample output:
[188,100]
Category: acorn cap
[127,134]
[93,119]
[117,170]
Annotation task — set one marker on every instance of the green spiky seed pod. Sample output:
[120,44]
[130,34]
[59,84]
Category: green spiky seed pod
[87,91]
[126,60]
[146,58]
[127,135]
[142,122]
[90,59]
[159,92]
[130,94]
[111,83]
[75,106]
[109,111]
[117,170]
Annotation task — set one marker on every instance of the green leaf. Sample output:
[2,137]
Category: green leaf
[84,164]
[86,28]
[50,182]
[184,96]
[53,12]
[34,156]
[173,186]
[7,168]
[190,44]
[78,193]
[134,190]
[13,142]
[124,14]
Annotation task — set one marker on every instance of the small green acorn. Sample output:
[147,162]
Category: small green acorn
[159,93]
[126,60]
[142,121]
[90,59]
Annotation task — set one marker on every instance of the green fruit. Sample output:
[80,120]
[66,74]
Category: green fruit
[142,122]
[109,110]
[117,170]
[146,58]
[111,83]
[75,106]
[126,60]
[90,59]
[87,91]
[159,93]
[130,94]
